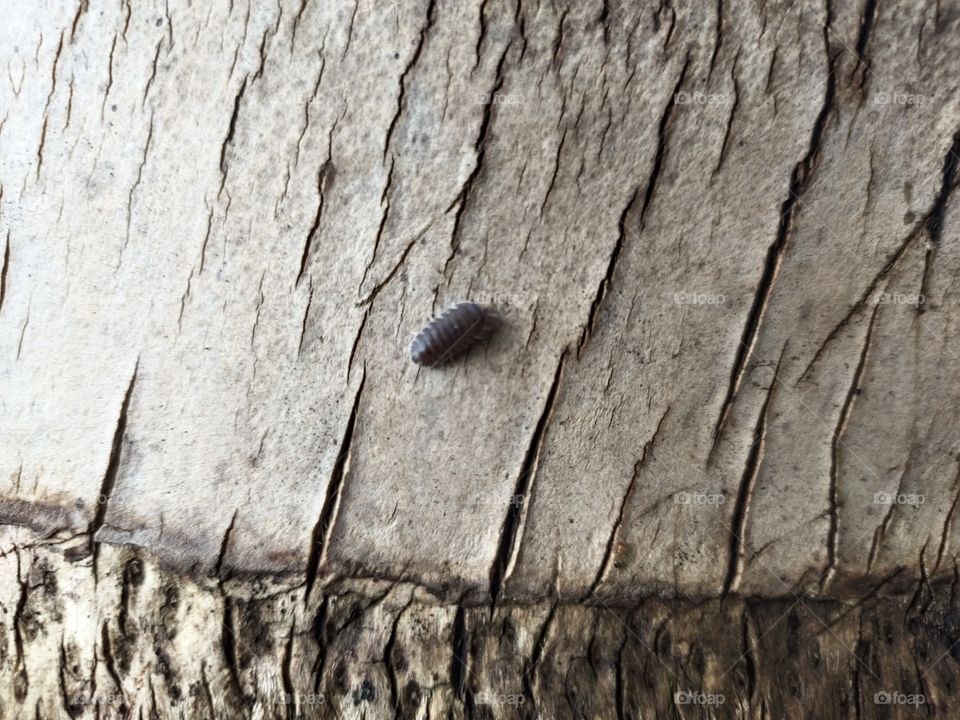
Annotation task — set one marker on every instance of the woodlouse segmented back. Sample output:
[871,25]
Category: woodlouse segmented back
[450,335]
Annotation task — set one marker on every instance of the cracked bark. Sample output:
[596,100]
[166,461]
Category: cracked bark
[231,129]
[430,19]
[325,170]
[328,514]
[608,555]
[844,418]
[511,533]
[741,506]
[286,540]
[3,269]
[799,182]
[113,467]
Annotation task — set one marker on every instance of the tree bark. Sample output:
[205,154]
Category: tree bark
[708,464]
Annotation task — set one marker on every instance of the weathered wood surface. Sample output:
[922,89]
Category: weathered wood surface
[223,223]
[721,239]
[166,645]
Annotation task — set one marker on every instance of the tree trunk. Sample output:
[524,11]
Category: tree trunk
[707,465]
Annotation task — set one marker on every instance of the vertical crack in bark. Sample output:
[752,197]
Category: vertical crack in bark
[153,711]
[390,275]
[385,202]
[322,175]
[725,145]
[126,18]
[68,115]
[3,270]
[881,531]
[316,92]
[208,694]
[286,676]
[228,644]
[71,709]
[748,643]
[480,149]
[852,392]
[82,7]
[296,24]
[23,330]
[262,50]
[607,280]
[401,96]
[356,342]
[799,182]
[482,20]
[935,218]
[388,660]
[53,71]
[257,308]
[459,658]
[948,521]
[183,299]
[751,470]
[206,236]
[306,316]
[353,18]
[512,529]
[109,660]
[611,540]
[106,92]
[556,170]
[40,145]
[662,141]
[153,73]
[320,637]
[863,37]
[922,584]
[884,271]
[136,184]
[604,286]
[718,39]
[932,223]
[557,44]
[132,576]
[21,683]
[110,475]
[225,546]
[536,655]
[323,530]
[166,14]
[231,129]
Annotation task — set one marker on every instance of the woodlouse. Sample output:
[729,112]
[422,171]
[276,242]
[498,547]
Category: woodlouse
[450,334]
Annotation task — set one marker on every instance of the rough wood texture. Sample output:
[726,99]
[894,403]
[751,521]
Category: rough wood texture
[140,641]
[721,239]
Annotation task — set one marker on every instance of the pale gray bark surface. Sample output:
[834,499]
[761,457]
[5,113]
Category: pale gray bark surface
[721,239]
